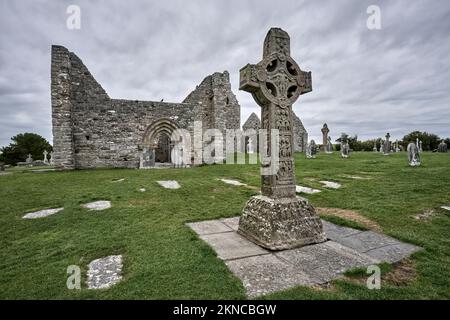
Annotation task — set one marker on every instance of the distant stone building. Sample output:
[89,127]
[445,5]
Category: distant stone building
[300,133]
[92,130]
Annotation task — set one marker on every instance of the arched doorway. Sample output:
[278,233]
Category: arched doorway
[157,145]
[163,149]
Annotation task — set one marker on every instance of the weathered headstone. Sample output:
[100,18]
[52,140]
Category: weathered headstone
[375,149]
[51,158]
[45,153]
[345,149]
[278,219]
[329,146]
[311,150]
[2,166]
[420,146]
[442,147]
[251,146]
[413,155]
[381,146]
[325,132]
[29,159]
[387,145]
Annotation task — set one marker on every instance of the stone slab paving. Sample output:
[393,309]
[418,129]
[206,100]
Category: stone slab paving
[266,274]
[170,184]
[325,261]
[97,205]
[335,232]
[331,184]
[262,271]
[301,189]
[208,227]
[231,245]
[104,272]
[42,213]
[232,182]
[233,223]
[446,208]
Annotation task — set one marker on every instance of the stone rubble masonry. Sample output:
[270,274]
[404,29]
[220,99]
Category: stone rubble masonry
[92,130]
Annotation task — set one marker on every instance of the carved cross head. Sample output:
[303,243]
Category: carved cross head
[277,78]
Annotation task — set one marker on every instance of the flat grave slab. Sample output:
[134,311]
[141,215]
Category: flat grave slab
[263,272]
[97,205]
[104,272]
[331,184]
[170,184]
[42,213]
[301,189]
[446,208]
[232,182]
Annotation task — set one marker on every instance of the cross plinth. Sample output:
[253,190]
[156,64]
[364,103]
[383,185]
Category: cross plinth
[278,219]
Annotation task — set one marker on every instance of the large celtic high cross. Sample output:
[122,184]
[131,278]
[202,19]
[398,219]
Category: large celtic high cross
[276,83]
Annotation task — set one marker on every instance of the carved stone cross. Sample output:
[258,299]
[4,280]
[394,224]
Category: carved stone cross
[278,219]
[325,132]
[276,83]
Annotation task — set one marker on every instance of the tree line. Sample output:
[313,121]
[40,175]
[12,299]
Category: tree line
[430,141]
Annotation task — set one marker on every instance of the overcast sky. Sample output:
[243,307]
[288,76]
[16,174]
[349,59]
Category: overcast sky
[365,82]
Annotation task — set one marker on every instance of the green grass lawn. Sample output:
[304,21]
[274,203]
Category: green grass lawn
[164,259]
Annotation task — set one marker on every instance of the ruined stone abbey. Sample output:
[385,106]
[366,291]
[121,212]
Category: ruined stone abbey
[91,130]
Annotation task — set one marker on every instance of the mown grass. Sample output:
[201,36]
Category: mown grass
[164,259]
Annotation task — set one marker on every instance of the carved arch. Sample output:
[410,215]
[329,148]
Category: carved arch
[164,125]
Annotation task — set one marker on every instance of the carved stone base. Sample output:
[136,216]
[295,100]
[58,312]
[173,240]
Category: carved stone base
[279,224]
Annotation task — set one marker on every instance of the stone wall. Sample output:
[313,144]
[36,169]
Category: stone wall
[90,130]
[300,134]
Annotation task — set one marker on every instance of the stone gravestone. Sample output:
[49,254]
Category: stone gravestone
[420,146]
[29,159]
[442,147]
[2,166]
[387,145]
[381,146]
[311,150]
[45,157]
[308,154]
[51,158]
[147,159]
[250,146]
[413,154]
[329,145]
[278,219]
[345,149]
[325,132]
[375,149]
